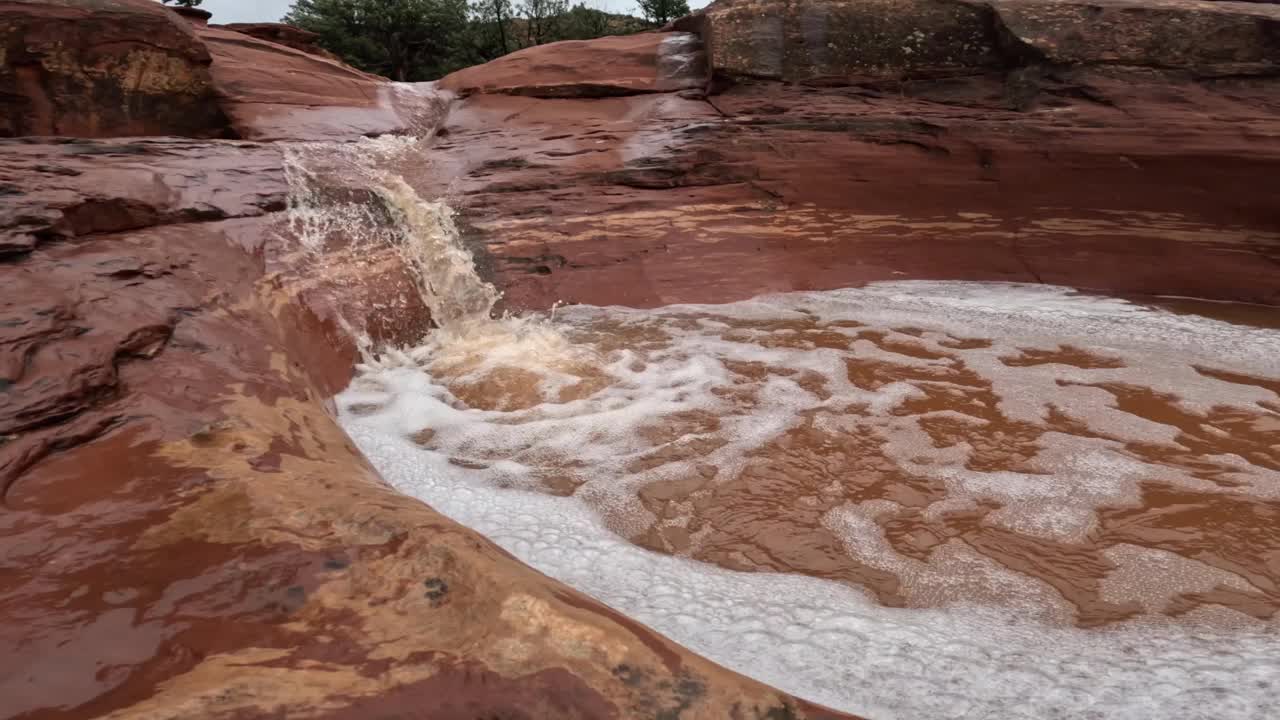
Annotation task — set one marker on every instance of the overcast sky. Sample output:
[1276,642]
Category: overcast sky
[231,11]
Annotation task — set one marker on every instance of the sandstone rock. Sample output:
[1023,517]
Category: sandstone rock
[77,189]
[102,68]
[193,15]
[281,34]
[625,65]
[1102,176]
[162,418]
[813,40]
[132,67]
[854,40]
[1213,38]
[187,532]
[271,91]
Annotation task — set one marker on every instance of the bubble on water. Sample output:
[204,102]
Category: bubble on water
[561,441]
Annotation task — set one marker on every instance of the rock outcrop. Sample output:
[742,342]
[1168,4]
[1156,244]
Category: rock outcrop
[275,92]
[103,68]
[1098,167]
[282,34]
[187,533]
[167,353]
[851,40]
[166,363]
[115,68]
[610,66]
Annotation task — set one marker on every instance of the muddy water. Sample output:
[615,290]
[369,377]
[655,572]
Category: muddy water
[909,500]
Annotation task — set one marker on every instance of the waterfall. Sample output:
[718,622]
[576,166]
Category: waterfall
[649,457]
[432,248]
[348,201]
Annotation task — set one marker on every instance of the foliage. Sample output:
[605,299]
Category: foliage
[491,29]
[661,12]
[401,39]
[183,3]
[584,23]
[542,20]
[413,40]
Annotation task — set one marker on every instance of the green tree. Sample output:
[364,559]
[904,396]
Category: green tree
[661,12]
[400,39]
[492,32]
[183,3]
[584,23]
[425,39]
[544,20]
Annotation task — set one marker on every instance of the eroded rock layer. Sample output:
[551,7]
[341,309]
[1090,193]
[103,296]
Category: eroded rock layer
[163,416]
[102,68]
[1115,155]
[187,533]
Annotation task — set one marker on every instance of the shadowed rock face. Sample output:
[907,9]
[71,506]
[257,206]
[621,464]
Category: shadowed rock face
[101,68]
[897,39]
[187,533]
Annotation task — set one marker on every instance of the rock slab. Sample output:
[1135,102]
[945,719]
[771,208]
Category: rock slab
[605,67]
[834,41]
[103,68]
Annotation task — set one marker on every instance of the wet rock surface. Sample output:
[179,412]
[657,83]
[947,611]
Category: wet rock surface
[274,92]
[164,406]
[610,66]
[114,68]
[902,39]
[102,68]
[187,533]
[1132,181]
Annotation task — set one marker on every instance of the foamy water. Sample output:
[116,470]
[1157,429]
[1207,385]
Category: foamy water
[911,500]
[932,486]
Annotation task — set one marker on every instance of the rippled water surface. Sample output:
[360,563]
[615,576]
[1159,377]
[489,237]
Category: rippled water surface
[914,500]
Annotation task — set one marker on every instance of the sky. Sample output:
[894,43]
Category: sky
[232,11]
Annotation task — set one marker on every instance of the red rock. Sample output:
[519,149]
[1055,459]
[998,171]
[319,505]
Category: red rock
[162,418]
[624,65]
[816,41]
[1128,183]
[281,34]
[77,189]
[187,532]
[1207,38]
[102,68]
[840,40]
[140,69]
[193,15]
[272,92]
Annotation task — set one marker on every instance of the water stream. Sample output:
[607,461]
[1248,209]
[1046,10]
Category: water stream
[909,500]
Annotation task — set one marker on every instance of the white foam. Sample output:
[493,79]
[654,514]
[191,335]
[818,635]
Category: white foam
[1151,576]
[828,643]
[995,643]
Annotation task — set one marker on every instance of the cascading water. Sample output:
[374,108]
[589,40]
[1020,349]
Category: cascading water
[445,270]
[352,196]
[912,500]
